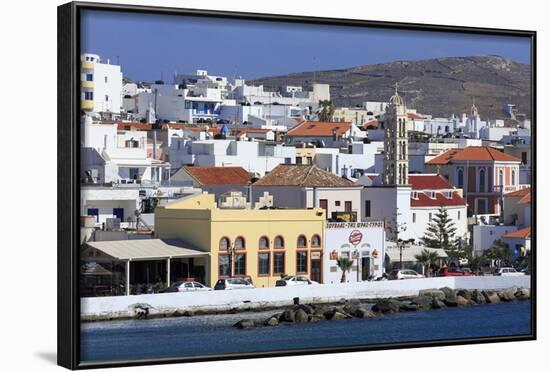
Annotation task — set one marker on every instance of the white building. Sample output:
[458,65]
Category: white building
[100,86]
[359,159]
[256,157]
[485,236]
[362,242]
[109,155]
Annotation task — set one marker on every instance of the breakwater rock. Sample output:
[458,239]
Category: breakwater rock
[431,299]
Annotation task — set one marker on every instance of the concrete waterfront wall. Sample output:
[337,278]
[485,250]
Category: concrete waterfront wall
[250,299]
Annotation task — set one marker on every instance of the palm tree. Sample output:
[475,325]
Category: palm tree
[499,252]
[427,258]
[345,264]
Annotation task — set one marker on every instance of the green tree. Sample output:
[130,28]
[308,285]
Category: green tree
[440,232]
[326,110]
[427,258]
[345,264]
[499,252]
[475,262]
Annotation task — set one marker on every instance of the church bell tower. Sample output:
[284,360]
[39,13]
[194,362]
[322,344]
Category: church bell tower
[396,142]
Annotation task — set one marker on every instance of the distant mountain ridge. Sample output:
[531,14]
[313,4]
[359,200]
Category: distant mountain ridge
[438,87]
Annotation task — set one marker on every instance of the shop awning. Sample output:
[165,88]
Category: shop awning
[144,249]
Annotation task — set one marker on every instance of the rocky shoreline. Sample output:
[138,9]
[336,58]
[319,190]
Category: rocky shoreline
[428,299]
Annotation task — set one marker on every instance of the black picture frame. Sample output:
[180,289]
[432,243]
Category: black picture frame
[68,320]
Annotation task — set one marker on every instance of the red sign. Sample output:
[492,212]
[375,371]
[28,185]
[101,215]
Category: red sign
[333,255]
[355,237]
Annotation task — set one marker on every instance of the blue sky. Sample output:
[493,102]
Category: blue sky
[147,45]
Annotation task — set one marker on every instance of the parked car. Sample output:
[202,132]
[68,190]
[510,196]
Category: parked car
[187,287]
[294,280]
[507,271]
[455,272]
[233,283]
[405,274]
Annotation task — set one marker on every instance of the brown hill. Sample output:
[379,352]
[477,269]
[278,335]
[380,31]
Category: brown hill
[439,87]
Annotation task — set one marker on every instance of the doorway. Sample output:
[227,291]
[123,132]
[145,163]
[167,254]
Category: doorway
[316,267]
[365,268]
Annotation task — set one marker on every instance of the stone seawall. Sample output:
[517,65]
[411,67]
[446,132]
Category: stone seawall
[259,299]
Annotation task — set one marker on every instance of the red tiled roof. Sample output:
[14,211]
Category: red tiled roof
[429,182]
[520,192]
[472,153]
[219,175]
[372,124]
[521,233]
[302,175]
[424,200]
[410,115]
[319,129]
[526,199]
[133,126]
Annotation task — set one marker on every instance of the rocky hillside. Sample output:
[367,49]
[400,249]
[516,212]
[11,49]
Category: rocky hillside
[439,87]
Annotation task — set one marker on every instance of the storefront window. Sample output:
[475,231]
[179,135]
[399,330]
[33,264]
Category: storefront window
[263,264]
[301,262]
[223,265]
[278,263]
[240,264]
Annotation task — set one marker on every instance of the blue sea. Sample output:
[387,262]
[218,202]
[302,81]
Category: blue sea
[214,334]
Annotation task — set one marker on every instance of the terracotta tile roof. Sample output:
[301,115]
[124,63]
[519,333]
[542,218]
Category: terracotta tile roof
[219,175]
[410,115]
[429,182]
[303,176]
[133,126]
[319,129]
[472,153]
[372,124]
[525,200]
[424,200]
[520,192]
[521,233]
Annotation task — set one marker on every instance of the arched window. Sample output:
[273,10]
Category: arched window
[239,243]
[224,244]
[501,177]
[513,178]
[302,242]
[264,243]
[482,180]
[279,242]
[460,176]
[315,241]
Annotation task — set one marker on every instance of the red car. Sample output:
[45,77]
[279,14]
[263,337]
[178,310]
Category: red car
[455,272]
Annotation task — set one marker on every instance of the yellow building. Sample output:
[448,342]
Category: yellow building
[260,243]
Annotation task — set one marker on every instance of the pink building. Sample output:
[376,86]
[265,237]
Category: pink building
[484,174]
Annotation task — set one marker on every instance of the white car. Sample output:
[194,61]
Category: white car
[233,283]
[295,280]
[405,274]
[508,271]
[187,287]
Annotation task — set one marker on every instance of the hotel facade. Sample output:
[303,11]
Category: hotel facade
[260,243]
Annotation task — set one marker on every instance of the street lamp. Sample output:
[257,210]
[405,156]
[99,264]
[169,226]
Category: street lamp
[231,250]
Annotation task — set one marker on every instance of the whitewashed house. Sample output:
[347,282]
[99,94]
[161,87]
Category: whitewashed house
[100,85]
